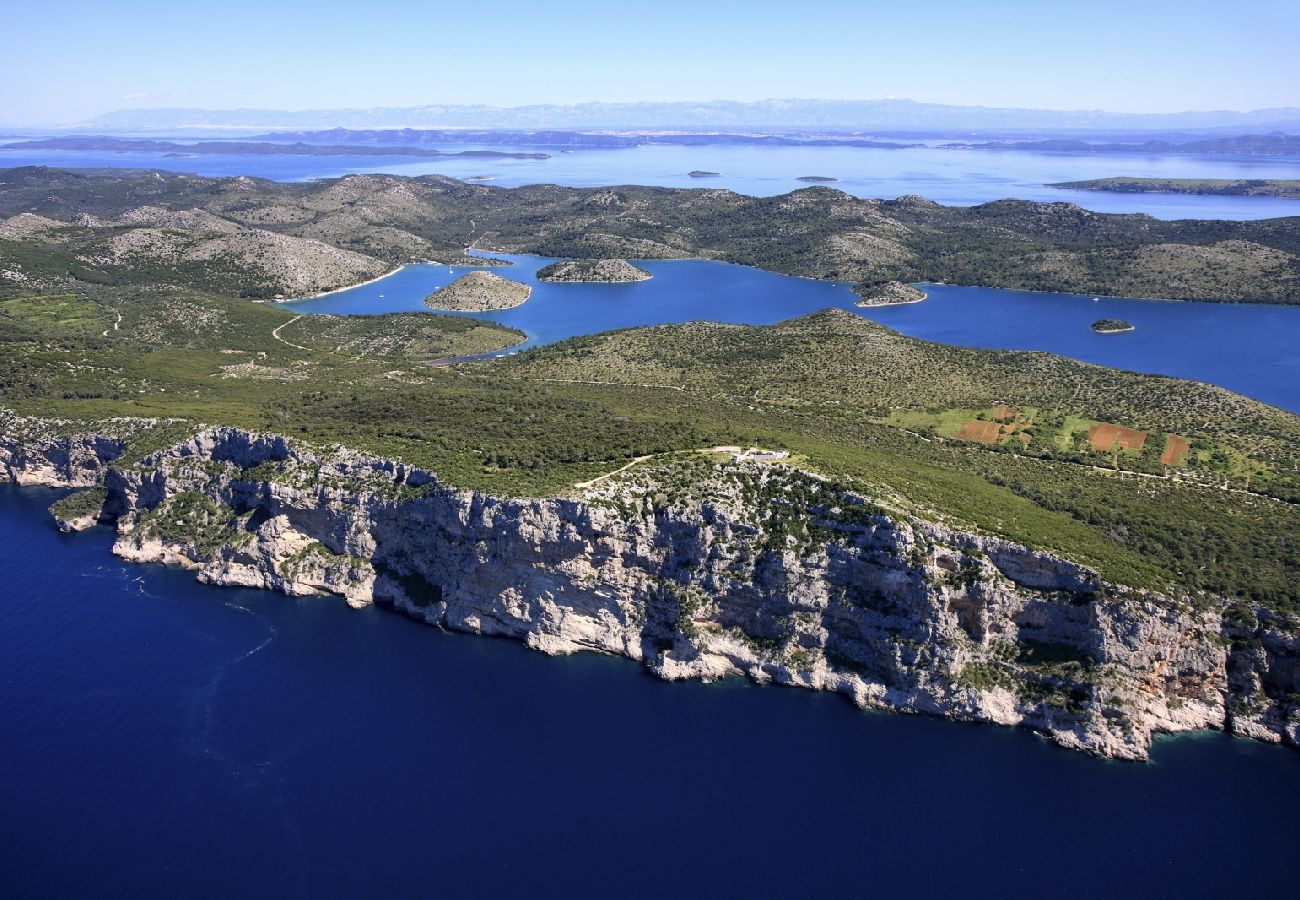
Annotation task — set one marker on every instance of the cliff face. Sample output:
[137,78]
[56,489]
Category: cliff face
[54,454]
[894,613]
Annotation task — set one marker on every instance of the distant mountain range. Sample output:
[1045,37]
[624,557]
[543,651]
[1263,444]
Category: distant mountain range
[897,116]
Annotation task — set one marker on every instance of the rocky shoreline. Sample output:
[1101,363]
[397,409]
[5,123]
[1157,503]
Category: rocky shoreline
[893,612]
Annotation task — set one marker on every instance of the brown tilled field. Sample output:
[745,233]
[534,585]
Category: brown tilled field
[1176,450]
[982,432]
[1005,411]
[1105,436]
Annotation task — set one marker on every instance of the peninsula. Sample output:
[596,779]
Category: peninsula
[479,292]
[1287,188]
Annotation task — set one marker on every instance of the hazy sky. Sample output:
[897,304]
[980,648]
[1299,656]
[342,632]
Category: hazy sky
[64,60]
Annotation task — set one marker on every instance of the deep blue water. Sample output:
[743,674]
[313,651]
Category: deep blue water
[957,177]
[165,738]
[1251,349]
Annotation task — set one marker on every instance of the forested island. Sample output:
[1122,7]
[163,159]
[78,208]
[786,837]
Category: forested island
[1287,188]
[1111,326]
[601,271]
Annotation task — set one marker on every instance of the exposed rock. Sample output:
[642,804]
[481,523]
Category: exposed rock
[893,612]
[479,292]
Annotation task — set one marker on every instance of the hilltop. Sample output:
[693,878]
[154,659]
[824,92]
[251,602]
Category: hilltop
[816,232]
[479,292]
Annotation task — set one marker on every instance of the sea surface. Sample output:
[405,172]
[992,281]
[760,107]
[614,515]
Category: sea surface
[159,737]
[954,177]
[163,738]
[1251,349]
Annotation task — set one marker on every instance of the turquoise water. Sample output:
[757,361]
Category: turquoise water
[164,738]
[1251,349]
[957,177]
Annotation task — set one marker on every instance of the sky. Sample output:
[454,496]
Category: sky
[67,60]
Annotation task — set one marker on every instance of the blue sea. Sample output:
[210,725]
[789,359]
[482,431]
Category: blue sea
[164,738]
[955,177]
[1248,348]
[159,737]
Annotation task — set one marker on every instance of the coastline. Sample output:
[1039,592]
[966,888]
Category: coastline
[866,304]
[353,286]
[375,564]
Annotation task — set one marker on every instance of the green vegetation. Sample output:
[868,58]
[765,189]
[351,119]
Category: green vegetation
[1111,326]
[251,237]
[877,413]
[79,504]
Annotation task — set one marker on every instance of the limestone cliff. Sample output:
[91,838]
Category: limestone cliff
[756,570]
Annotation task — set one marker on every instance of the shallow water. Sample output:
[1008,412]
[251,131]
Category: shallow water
[1248,348]
[166,738]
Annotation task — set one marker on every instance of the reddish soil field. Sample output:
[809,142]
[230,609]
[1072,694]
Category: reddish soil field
[1104,436]
[1176,449]
[982,432]
[1004,411]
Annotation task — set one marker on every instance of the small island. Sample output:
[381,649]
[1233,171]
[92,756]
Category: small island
[700,173]
[1111,326]
[592,271]
[818,179]
[479,292]
[889,293]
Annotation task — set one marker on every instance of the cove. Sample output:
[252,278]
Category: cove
[164,737]
[1246,348]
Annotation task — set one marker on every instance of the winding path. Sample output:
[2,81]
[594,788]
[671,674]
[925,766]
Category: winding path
[275,333]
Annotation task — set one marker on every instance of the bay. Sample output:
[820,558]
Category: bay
[1248,348]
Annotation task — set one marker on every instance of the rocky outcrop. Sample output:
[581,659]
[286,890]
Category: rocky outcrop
[835,594]
[479,292]
[54,453]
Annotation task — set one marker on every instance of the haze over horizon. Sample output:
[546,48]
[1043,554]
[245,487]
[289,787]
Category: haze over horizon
[1150,58]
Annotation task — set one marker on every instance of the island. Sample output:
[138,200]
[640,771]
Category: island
[592,271]
[700,173]
[889,293]
[479,292]
[1111,326]
[1285,188]
[993,536]
[817,179]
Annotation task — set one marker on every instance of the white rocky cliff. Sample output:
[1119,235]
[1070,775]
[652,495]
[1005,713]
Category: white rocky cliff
[762,571]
